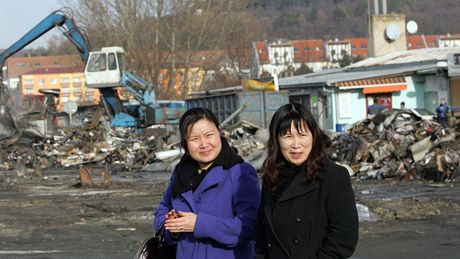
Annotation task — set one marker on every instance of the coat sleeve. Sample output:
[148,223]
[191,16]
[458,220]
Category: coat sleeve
[160,212]
[343,227]
[232,232]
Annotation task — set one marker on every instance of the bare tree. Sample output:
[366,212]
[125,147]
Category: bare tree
[163,37]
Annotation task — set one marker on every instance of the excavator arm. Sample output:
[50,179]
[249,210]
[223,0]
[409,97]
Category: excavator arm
[57,18]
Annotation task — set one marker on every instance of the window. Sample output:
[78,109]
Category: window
[41,82]
[29,91]
[65,80]
[65,89]
[89,98]
[112,61]
[29,82]
[97,62]
[21,65]
[57,64]
[77,89]
[37,65]
[76,80]
[53,81]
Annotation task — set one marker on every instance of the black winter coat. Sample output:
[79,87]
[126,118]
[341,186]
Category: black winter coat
[314,220]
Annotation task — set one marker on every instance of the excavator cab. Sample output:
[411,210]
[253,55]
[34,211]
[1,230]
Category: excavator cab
[104,67]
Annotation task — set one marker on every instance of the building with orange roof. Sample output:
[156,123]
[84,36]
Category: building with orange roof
[16,66]
[283,56]
[358,46]
[449,40]
[69,81]
[336,49]
[421,41]
[310,52]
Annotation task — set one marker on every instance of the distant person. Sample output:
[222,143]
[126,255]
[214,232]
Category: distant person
[375,108]
[402,105]
[308,207]
[442,111]
[210,206]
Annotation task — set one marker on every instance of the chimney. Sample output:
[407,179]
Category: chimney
[376,6]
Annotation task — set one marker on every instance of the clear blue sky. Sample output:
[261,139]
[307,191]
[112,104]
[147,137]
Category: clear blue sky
[17,17]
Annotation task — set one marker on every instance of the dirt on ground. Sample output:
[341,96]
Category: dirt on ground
[54,217]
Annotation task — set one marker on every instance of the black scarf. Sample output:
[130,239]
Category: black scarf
[186,174]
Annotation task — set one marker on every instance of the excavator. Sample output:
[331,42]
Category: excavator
[104,70]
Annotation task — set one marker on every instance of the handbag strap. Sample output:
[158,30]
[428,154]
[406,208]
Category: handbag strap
[161,230]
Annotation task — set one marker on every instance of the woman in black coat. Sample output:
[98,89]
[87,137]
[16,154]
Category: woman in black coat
[308,206]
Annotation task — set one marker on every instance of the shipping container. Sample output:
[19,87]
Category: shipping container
[259,106]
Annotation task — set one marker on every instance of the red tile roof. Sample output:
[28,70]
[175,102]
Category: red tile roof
[262,52]
[19,65]
[309,50]
[416,41]
[359,46]
[55,70]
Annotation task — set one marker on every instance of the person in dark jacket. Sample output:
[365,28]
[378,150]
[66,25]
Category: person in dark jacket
[210,206]
[442,111]
[308,207]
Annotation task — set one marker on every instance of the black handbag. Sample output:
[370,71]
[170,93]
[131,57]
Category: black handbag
[156,248]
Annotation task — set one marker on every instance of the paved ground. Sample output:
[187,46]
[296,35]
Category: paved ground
[50,217]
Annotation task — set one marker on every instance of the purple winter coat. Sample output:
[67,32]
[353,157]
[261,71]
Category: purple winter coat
[226,203]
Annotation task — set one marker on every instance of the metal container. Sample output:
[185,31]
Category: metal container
[259,106]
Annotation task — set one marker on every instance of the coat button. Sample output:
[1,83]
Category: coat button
[296,240]
[269,245]
[298,219]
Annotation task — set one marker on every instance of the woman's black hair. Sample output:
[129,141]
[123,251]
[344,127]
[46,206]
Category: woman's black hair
[190,117]
[280,125]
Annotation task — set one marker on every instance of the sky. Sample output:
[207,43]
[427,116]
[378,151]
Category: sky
[17,17]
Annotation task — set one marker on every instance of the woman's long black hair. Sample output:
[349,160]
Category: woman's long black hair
[279,126]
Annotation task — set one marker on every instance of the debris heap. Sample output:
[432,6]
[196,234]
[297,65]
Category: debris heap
[399,144]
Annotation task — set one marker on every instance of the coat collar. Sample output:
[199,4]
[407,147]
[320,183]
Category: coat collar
[297,187]
[186,175]
[213,178]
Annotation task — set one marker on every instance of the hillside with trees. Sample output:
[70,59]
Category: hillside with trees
[165,39]
[328,19]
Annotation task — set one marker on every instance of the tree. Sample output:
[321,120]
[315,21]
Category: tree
[303,69]
[162,35]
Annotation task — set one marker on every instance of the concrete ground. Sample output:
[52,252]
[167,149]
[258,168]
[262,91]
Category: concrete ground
[51,217]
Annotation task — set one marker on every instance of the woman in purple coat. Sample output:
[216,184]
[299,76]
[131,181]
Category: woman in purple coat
[210,206]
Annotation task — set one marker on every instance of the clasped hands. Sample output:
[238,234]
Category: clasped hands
[178,221]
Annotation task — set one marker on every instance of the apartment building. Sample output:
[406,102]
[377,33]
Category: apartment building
[16,66]
[319,54]
[69,81]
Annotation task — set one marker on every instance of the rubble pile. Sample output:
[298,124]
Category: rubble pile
[95,142]
[397,143]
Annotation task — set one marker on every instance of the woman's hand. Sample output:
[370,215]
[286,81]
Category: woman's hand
[172,214]
[184,222]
